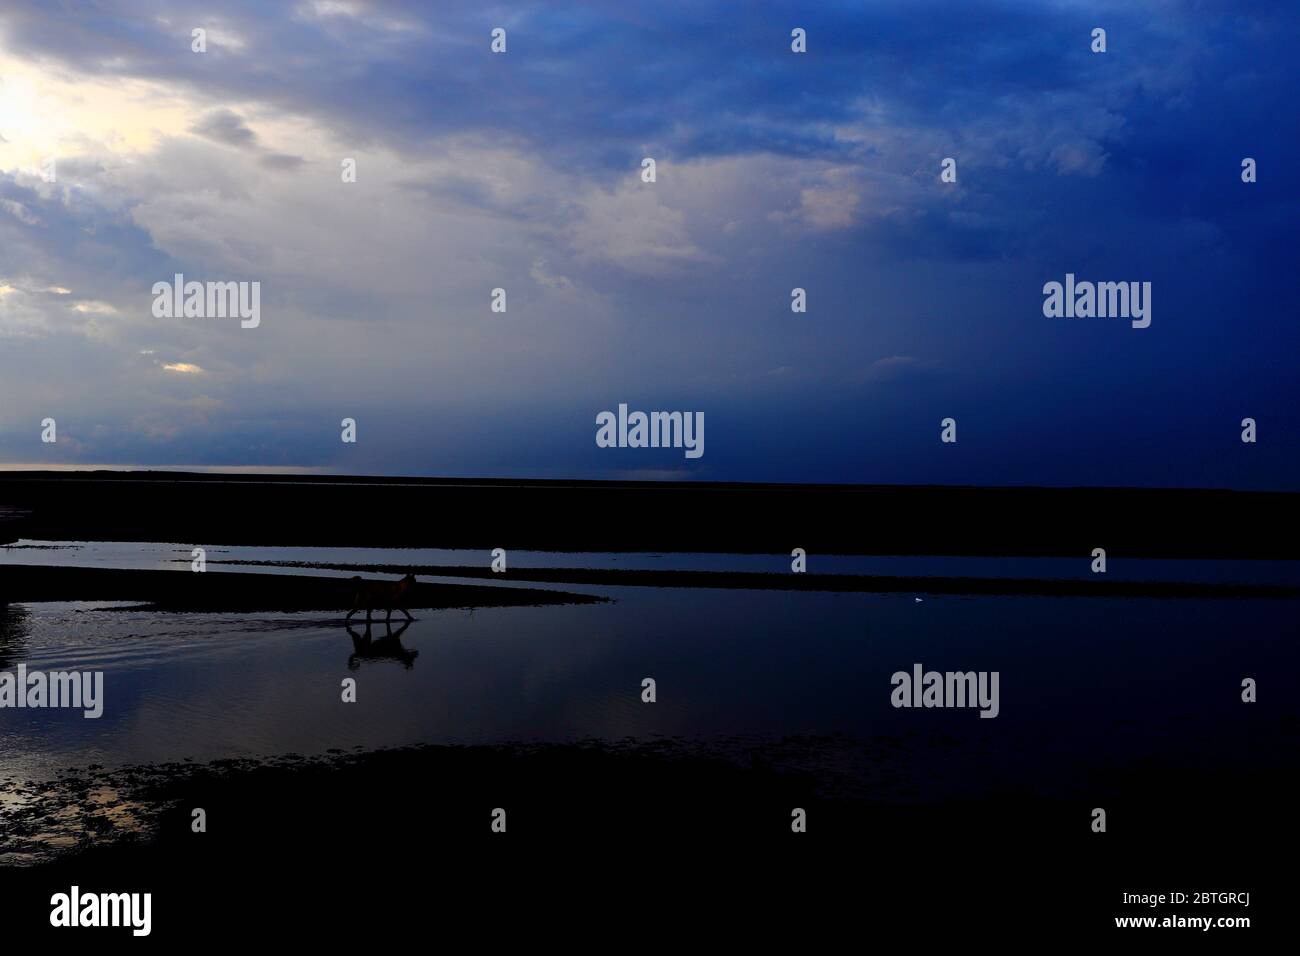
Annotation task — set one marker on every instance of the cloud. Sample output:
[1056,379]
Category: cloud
[541,274]
[632,228]
[93,307]
[228,128]
[895,368]
[520,171]
[831,202]
[1084,157]
[281,161]
[19,212]
[225,126]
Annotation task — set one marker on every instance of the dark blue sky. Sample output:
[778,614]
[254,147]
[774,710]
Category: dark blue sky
[775,170]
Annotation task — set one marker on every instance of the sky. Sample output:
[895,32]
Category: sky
[774,170]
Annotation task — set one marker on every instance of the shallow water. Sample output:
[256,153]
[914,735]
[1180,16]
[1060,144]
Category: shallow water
[1084,683]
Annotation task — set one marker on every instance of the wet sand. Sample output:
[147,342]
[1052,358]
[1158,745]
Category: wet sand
[1098,587]
[236,592]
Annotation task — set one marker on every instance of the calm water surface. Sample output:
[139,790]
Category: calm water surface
[1085,685]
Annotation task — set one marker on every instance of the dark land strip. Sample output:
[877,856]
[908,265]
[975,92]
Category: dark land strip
[646,516]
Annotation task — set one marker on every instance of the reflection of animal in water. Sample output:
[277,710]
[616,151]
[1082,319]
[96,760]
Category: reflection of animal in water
[387,648]
[389,595]
[13,634]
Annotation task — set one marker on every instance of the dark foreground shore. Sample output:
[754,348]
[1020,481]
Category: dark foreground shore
[642,838]
[646,516]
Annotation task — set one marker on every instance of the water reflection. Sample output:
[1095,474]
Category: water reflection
[13,634]
[386,648]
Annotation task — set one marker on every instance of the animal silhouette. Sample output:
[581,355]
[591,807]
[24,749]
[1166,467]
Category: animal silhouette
[389,595]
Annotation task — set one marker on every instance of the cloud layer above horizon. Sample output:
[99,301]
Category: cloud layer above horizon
[775,170]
